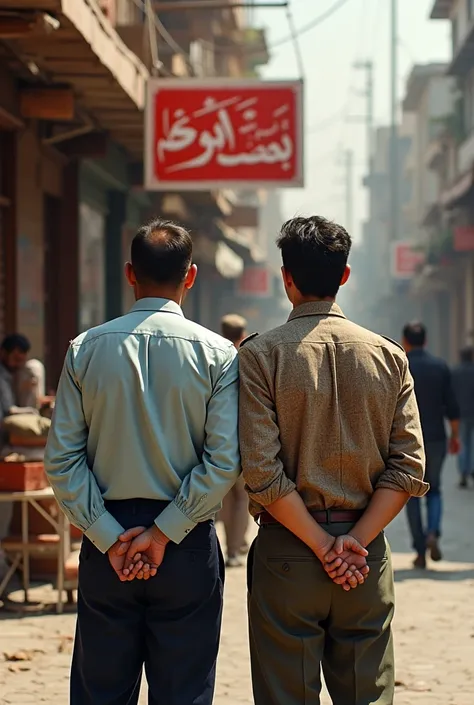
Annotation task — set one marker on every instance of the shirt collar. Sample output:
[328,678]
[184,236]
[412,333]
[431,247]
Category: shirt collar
[316,308]
[158,306]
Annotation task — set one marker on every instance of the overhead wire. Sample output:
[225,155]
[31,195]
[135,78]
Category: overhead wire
[312,24]
[296,44]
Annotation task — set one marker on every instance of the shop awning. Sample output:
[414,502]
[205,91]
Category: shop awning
[239,243]
[218,255]
[72,43]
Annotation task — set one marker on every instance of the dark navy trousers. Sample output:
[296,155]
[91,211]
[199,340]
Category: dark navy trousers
[169,624]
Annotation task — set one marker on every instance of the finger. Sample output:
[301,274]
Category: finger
[341,580]
[135,570]
[353,581]
[365,570]
[338,547]
[123,548]
[140,575]
[342,568]
[153,571]
[332,565]
[133,550]
[346,587]
[357,548]
[132,533]
[135,559]
[360,577]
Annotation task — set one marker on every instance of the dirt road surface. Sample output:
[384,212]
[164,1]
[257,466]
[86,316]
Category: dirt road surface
[434,628]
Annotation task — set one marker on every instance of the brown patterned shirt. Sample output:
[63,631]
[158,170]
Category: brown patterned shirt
[327,408]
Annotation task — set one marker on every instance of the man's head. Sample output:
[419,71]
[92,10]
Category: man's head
[467,354]
[414,336]
[14,352]
[161,261]
[234,328]
[315,253]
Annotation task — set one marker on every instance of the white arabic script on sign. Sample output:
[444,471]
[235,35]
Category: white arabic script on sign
[219,142]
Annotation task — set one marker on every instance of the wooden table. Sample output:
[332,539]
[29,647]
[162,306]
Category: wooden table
[25,548]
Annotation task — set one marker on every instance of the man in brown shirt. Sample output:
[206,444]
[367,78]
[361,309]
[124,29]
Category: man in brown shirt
[332,449]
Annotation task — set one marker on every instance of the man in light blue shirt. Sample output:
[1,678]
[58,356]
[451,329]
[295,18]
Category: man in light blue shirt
[143,447]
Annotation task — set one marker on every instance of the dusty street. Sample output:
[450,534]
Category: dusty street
[434,629]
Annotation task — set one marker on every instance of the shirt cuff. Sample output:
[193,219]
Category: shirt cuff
[402,482]
[174,524]
[279,487]
[104,532]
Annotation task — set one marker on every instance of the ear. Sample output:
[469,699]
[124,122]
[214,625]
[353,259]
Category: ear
[130,274]
[346,275]
[287,278]
[191,277]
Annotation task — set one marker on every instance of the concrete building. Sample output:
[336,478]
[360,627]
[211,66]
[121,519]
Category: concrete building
[446,282]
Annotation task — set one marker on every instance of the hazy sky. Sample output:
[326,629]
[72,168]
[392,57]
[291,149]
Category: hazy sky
[360,30]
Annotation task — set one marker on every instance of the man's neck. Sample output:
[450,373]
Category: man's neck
[313,300]
[169,295]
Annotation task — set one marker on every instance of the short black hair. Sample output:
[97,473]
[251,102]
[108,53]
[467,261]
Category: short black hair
[415,334]
[16,341]
[161,253]
[467,354]
[233,327]
[315,252]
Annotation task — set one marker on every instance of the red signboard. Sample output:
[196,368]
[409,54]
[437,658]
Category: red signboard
[405,260]
[464,238]
[255,282]
[217,133]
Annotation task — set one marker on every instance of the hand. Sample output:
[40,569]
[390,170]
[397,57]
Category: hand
[117,552]
[346,562]
[454,445]
[151,542]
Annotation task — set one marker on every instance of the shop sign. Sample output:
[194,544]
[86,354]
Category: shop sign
[405,260]
[223,133]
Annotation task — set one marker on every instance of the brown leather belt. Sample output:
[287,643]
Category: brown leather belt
[323,516]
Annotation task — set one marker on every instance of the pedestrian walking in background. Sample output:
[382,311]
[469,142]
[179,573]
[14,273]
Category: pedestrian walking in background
[142,449]
[463,382]
[235,511]
[437,403]
[332,448]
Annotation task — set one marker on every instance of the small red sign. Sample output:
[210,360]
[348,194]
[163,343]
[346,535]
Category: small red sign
[405,260]
[216,133]
[255,281]
[464,238]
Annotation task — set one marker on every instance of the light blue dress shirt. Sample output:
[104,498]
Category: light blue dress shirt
[147,407]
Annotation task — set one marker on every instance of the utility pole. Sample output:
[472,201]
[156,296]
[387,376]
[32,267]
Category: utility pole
[394,171]
[368,67]
[349,167]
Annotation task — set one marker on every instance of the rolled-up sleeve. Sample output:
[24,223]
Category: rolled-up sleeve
[262,468]
[65,462]
[405,467]
[202,491]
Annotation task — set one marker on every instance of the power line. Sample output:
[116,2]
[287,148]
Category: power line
[311,25]
[296,44]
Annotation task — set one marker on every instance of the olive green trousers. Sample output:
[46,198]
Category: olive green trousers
[301,623]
